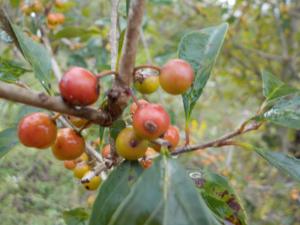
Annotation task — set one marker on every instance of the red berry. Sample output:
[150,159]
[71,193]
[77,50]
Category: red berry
[37,130]
[176,76]
[134,106]
[106,152]
[68,145]
[70,164]
[172,136]
[150,121]
[79,87]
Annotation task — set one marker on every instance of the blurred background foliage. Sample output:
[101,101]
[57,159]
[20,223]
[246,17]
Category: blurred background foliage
[263,35]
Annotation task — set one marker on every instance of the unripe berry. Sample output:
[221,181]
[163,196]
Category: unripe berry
[69,145]
[37,130]
[176,76]
[129,146]
[134,106]
[70,164]
[172,136]
[150,121]
[93,183]
[83,158]
[79,87]
[147,84]
[80,170]
[106,152]
[37,6]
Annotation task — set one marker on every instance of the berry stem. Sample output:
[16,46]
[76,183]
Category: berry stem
[86,125]
[106,73]
[55,116]
[187,134]
[157,68]
[134,98]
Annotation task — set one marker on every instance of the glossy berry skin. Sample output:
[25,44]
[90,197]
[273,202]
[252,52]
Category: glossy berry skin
[172,136]
[149,84]
[80,170]
[129,146]
[106,152]
[70,164]
[93,183]
[68,145]
[134,106]
[79,87]
[150,121]
[37,130]
[176,76]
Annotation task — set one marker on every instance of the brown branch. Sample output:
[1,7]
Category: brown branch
[135,18]
[219,142]
[119,94]
[41,100]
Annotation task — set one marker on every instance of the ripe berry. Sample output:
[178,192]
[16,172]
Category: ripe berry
[172,136]
[134,106]
[70,164]
[129,146]
[79,87]
[76,121]
[80,170]
[93,183]
[106,152]
[176,76]
[150,121]
[55,19]
[69,145]
[147,84]
[146,163]
[37,130]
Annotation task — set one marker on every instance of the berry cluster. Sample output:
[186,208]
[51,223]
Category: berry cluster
[54,19]
[138,141]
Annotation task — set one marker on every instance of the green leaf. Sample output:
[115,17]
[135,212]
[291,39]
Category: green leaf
[200,49]
[116,128]
[219,196]
[37,56]
[163,195]
[285,112]
[274,88]
[8,140]
[78,216]
[113,191]
[10,71]
[284,163]
[73,32]
[127,6]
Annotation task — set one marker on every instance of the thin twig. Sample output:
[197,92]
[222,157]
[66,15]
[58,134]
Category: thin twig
[106,73]
[219,142]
